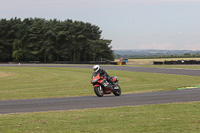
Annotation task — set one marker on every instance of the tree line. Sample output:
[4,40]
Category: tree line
[38,39]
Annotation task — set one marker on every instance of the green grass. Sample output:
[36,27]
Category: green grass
[37,82]
[150,61]
[169,66]
[163,118]
[45,82]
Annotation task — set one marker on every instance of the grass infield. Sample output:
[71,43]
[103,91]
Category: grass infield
[46,82]
[162,118]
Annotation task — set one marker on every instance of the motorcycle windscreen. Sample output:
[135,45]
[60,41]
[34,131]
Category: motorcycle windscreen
[95,74]
[114,79]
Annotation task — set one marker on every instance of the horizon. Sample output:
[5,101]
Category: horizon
[158,49]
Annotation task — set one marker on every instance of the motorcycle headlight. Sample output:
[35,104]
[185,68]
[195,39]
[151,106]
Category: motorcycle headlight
[115,77]
[94,80]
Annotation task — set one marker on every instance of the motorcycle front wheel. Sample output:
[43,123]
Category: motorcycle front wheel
[117,92]
[98,91]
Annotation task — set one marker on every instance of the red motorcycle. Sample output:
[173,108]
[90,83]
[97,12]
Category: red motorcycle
[102,86]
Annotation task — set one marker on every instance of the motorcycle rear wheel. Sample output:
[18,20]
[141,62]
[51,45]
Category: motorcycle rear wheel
[117,92]
[99,91]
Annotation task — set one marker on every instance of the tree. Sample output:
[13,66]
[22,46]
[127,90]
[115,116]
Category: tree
[43,40]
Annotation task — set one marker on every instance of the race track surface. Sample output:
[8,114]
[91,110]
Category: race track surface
[190,72]
[69,103]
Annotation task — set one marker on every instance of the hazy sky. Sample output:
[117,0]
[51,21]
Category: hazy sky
[130,24]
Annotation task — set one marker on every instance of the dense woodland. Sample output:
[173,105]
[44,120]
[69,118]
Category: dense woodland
[37,39]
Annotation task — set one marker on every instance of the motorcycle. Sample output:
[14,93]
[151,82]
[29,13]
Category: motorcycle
[102,86]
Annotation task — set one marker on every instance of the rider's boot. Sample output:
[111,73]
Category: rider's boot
[112,84]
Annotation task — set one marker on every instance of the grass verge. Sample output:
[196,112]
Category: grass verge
[163,118]
[169,66]
[150,61]
[45,82]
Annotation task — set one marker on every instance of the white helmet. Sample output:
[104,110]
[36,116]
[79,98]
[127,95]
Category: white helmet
[96,68]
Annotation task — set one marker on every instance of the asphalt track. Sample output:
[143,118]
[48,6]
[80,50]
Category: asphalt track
[70,103]
[190,72]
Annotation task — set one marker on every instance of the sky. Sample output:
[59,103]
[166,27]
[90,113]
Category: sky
[130,24]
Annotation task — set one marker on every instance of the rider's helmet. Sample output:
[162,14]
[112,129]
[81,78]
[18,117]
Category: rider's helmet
[96,68]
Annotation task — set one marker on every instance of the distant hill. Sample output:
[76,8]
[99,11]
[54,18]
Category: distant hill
[153,52]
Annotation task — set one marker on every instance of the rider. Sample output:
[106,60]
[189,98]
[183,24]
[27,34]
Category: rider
[97,69]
